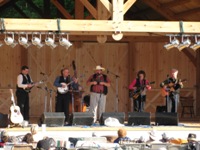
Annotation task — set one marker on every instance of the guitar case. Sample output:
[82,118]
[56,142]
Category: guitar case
[4,121]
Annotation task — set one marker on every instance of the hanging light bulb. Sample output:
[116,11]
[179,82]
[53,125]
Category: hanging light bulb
[37,41]
[65,42]
[50,41]
[196,45]
[184,44]
[172,43]
[10,40]
[24,41]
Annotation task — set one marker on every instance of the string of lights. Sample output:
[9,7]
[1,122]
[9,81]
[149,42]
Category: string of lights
[185,42]
[36,39]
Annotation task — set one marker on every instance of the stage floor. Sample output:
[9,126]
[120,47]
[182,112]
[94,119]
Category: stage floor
[134,132]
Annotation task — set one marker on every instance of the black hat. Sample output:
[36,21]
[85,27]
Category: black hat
[46,143]
[192,137]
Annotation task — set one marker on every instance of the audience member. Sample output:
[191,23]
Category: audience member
[36,135]
[191,141]
[6,138]
[28,138]
[122,136]
[46,144]
[153,137]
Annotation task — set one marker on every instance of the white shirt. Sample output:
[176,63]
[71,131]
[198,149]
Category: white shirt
[20,80]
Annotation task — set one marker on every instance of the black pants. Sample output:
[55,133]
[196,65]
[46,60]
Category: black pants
[62,104]
[23,103]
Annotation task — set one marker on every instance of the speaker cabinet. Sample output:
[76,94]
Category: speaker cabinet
[4,120]
[82,118]
[166,118]
[138,118]
[53,119]
[118,115]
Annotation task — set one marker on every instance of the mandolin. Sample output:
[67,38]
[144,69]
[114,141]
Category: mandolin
[16,116]
[33,84]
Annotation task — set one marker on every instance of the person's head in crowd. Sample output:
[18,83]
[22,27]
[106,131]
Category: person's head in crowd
[28,138]
[140,140]
[4,136]
[153,135]
[34,129]
[192,140]
[46,144]
[121,133]
[164,139]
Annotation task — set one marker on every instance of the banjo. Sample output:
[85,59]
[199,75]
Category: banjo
[65,89]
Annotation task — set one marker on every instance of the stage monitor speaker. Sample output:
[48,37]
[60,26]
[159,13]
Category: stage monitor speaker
[4,120]
[138,118]
[166,118]
[118,115]
[53,119]
[82,118]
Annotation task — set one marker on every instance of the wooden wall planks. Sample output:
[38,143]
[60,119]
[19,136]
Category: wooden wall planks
[123,59]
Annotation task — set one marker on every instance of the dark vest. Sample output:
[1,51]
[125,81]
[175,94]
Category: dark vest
[61,80]
[105,88]
[138,82]
[24,81]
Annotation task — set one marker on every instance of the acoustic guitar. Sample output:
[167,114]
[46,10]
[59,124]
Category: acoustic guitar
[15,116]
[170,88]
[135,93]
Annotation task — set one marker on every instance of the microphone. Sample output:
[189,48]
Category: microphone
[42,73]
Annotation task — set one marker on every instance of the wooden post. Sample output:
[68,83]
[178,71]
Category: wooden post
[198,82]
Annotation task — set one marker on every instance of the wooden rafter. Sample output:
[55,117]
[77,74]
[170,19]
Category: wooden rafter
[107,5]
[61,9]
[170,16]
[163,11]
[127,5]
[175,3]
[188,12]
[90,8]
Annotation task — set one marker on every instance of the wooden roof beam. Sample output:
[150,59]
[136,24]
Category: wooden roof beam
[188,12]
[163,11]
[94,27]
[90,8]
[61,9]
[174,3]
[128,5]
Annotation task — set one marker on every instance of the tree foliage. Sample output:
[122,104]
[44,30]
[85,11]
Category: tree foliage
[24,9]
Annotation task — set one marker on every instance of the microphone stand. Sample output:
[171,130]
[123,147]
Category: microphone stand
[117,93]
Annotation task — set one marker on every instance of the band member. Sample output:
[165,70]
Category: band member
[99,84]
[170,89]
[63,98]
[138,87]
[23,84]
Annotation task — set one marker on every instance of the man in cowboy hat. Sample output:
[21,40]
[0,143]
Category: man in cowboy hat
[98,83]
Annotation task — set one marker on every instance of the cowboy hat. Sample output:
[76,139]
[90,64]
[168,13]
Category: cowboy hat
[112,122]
[99,68]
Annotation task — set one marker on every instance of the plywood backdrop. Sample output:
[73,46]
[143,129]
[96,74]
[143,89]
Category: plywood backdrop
[123,59]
